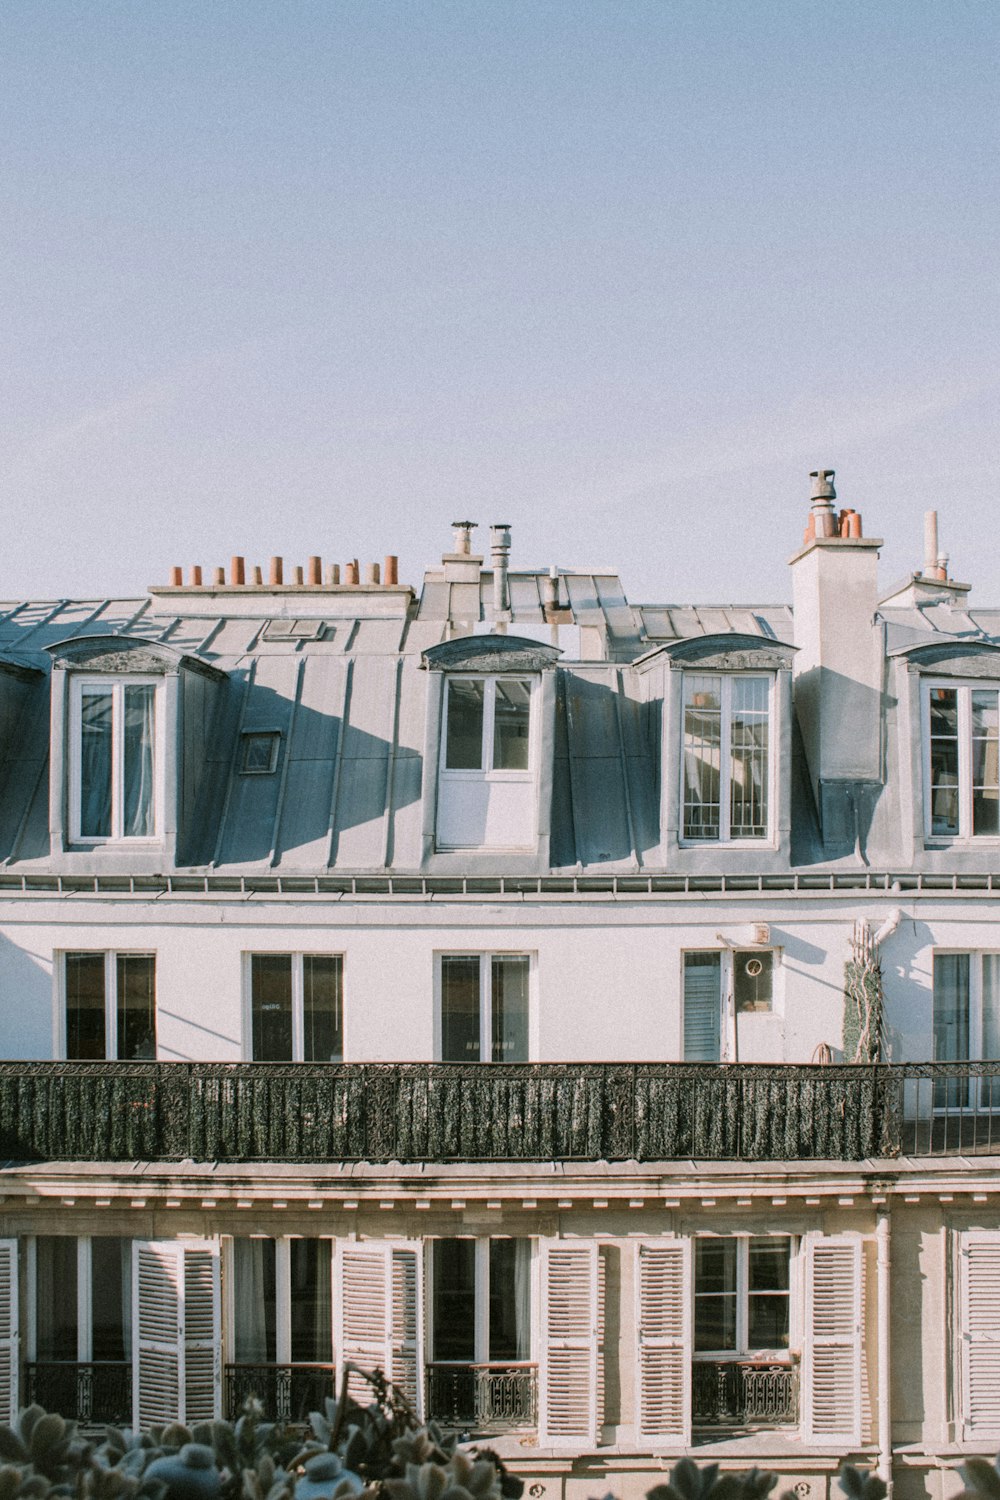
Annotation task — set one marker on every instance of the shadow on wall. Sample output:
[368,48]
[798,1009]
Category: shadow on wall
[328,777]
[25,1003]
[837,779]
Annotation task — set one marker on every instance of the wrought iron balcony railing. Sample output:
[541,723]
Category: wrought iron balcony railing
[96,1394]
[433,1112]
[483,1398]
[733,1394]
[288,1393]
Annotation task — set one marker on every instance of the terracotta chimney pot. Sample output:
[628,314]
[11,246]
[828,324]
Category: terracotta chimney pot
[315,574]
[277,572]
[390,573]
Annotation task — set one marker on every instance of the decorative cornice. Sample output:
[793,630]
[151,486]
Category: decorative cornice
[490,653]
[724,652]
[121,654]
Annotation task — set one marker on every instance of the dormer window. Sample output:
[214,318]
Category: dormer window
[726,762]
[114,759]
[962,760]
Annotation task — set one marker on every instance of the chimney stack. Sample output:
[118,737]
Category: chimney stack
[500,552]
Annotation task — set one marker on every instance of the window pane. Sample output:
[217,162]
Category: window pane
[510,1009]
[464,746]
[254,1301]
[715,1294]
[271,1006]
[111,1297]
[748,760]
[511,726]
[323,1037]
[944,760]
[460,1009]
[951,1024]
[702,1006]
[990,1087]
[455,1299]
[752,980]
[985,788]
[136,973]
[769,1263]
[95,763]
[702,756]
[510,1299]
[85,1006]
[767,1321]
[312,1311]
[55,1296]
[137,769]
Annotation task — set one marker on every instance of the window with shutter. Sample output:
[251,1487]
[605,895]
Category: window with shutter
[378,1304]
[8,1331]
[569,1344]
[832,1351]
[663,1324]
[176,1349]
[979,1312]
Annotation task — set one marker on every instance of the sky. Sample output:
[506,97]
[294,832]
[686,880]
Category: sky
[322,276]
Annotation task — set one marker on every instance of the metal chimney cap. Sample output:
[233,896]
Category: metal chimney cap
[823,484]
[464,525]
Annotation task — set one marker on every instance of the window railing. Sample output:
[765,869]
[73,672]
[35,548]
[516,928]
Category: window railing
[734,1394]
[95,1393]
[381,1112]
[485,1397]
[288,1393]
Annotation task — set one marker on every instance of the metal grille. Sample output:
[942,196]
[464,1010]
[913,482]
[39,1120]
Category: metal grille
[483,1398]
[728,1394]
[288,1393]
[93,1394]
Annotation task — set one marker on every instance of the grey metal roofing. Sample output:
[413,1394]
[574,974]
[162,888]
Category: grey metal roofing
[339,677]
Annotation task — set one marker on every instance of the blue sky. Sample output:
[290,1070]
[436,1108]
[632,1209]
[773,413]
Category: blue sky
[306,277]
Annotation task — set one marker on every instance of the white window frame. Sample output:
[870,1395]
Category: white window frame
[742,1354]
[729,1018]
[282,1293]
[116,686]
[486,957]
[481,1326]
[979,1093]
[767,838]
[298,997]
[110,956]
[964,691]
[486,769]
[84,1297]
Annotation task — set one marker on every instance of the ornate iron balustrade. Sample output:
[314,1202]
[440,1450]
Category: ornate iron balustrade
[730,1394]
[288,1393]
[483,1398]
[96,1393]
[379,1112]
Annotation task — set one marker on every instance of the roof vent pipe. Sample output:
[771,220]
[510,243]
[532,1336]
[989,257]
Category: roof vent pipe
[931,544]
[500,551]
[824,521]
[550,590]
[463,536]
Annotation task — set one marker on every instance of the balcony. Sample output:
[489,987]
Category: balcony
[288,1393]
[439,1112]
[481,1399]
[738,1396]
[97,1394]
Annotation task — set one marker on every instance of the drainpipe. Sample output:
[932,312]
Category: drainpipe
[884,1401]
[500,551]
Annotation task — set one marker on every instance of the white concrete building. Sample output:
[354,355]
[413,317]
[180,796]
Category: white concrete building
[460,981]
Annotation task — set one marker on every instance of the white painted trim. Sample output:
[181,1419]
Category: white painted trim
[115,686]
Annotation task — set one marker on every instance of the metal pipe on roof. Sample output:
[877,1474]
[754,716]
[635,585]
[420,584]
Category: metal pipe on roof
[930,543]
[500,551]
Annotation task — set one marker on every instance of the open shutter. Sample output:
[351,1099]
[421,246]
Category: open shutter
[9,1350]
[663,1324]
[832,1346]
[407,1352]
[979,1294]
[569,1344]
[176,1354]
[363,1313]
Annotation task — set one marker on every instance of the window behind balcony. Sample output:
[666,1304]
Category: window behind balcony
[296,1007]
[741,1295]
[110,1005]
[481,1301]
[484,1007]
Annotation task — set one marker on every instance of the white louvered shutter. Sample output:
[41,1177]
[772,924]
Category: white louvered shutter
[9,1341]
[407,1351]
[832,1346]
[663,1325]
[176,1357]
[979,1294]
[568,1387]
[157,1355]
[363,1313]
[202,1333]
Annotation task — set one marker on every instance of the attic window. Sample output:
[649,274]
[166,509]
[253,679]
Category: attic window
[296,630]
[260,752]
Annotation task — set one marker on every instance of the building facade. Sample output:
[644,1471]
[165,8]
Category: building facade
[586,1012]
